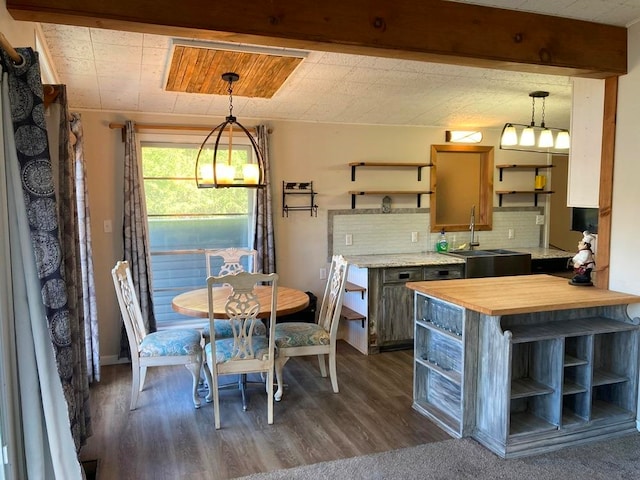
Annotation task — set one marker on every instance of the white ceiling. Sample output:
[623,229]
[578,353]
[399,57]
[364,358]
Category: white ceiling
[124,71]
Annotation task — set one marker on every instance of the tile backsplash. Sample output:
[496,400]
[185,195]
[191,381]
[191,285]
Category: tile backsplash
[372,232]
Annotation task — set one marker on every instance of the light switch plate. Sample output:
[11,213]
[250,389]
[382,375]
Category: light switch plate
[539,219]
[414,237]
[348,239]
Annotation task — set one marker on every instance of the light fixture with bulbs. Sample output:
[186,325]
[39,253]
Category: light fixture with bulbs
[223,173]
[534,138]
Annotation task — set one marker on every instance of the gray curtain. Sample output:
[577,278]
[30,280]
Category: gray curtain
[136,235]
[37,322]
[90,320]
[264,242]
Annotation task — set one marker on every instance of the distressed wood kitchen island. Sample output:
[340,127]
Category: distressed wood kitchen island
[525,364]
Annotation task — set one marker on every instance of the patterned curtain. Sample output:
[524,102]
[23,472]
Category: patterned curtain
[136,235]
[36,301]
[60,137]
[264,242]
[91,340]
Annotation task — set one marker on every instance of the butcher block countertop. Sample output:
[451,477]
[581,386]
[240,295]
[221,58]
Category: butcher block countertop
[519,294]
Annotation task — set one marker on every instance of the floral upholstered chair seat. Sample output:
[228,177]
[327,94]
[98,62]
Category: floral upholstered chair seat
[171,343]
[300,334]
[225,349]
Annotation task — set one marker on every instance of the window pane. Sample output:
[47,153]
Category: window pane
[183,220]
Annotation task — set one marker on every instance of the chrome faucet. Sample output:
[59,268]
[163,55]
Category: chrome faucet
[472,227]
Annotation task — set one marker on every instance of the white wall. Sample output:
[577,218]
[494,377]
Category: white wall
[625,223]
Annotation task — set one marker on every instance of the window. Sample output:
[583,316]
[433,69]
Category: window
[183,220]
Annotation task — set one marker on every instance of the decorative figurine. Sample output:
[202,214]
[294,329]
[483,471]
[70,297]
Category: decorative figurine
[583,262]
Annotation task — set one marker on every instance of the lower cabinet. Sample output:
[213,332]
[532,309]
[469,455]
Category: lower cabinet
[387,305]
[394,331]
[526,383]
[391,303]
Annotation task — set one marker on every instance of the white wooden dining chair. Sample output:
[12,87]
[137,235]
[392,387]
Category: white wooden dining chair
[245,352]
[165,347]
[295,339]
[232,260]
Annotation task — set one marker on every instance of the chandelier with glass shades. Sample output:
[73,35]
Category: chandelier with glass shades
[221,169]
[534,138]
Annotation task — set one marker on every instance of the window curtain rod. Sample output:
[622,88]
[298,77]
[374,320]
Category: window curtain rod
[195,128]
[6,46]
[184,128]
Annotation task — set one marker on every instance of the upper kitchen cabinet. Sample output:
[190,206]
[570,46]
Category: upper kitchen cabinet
[587,115]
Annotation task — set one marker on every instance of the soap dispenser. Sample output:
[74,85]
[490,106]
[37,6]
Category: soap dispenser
[442,245]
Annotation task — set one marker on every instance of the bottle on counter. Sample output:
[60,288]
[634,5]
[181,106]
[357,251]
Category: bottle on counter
[442,245]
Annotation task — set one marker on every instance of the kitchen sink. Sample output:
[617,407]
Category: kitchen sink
[493,262]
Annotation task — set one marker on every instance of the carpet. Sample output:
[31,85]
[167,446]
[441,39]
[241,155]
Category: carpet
[467,459]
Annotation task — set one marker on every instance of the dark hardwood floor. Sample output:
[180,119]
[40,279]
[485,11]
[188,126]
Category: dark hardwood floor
[166,438]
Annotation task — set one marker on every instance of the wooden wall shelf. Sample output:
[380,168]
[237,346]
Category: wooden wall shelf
[535,193]
[514,166]
[418,166]
[417,193]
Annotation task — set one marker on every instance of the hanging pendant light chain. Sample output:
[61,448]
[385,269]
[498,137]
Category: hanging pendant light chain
[542,125]
[230,90]
[533,111]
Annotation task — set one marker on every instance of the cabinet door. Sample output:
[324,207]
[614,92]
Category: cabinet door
[586,142]
[396,322]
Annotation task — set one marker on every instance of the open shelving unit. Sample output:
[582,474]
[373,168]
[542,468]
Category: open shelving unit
[416,165]
[565,374]
[438,363]
[535,167]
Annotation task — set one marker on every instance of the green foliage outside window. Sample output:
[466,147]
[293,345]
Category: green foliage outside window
[170,186]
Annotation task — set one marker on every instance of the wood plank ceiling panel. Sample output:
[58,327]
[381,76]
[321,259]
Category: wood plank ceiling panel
[199,70]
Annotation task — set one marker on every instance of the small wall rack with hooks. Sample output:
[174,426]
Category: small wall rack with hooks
[297,189]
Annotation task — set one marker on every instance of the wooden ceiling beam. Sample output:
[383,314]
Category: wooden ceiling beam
[427,30]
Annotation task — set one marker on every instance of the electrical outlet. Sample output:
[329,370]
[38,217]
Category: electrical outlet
[348,239]
[512,233]
[323,274]
[414,237]
[539,219]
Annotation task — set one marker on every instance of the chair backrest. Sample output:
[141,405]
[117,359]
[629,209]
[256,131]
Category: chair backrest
[242,306]
[129,306]
[231,260]
[329,315]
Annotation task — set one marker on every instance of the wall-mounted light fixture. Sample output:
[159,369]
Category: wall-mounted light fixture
[534,138]
[463,136]
[221,173]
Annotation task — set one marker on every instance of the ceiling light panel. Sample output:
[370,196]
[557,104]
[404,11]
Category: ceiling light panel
[196,67]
